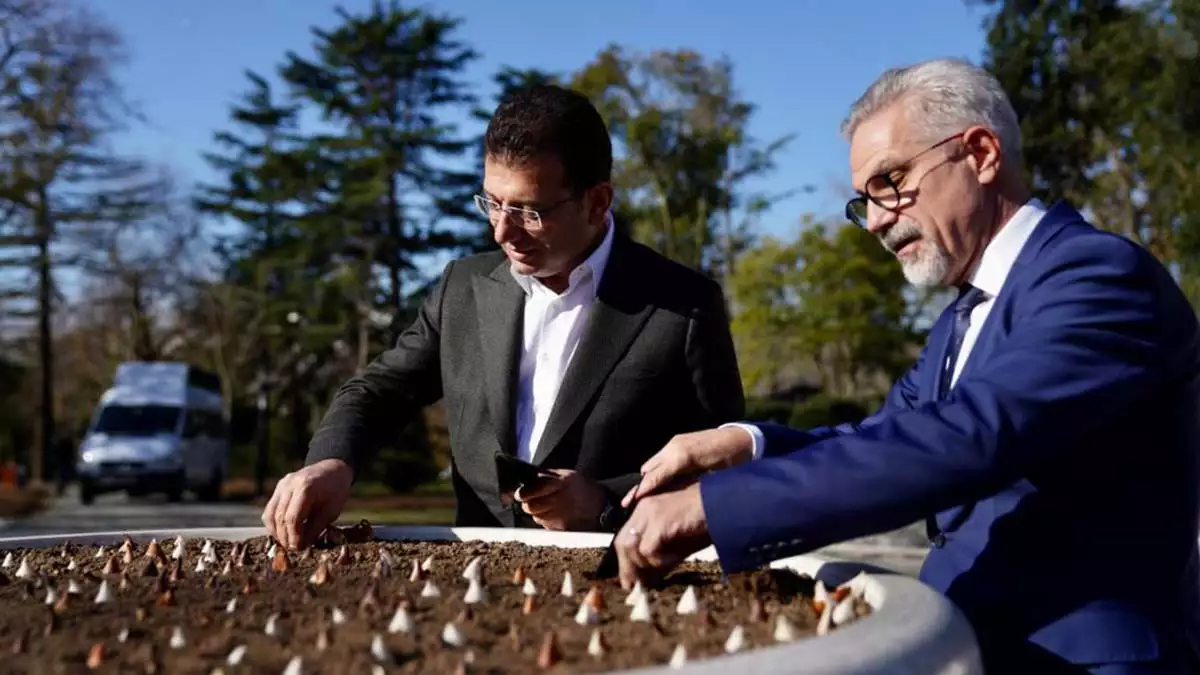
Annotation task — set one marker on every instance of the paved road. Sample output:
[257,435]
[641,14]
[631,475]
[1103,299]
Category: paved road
[118,512]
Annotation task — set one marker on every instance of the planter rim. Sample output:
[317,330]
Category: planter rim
[912,629]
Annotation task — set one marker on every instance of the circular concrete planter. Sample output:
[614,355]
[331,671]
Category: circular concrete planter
[913,630]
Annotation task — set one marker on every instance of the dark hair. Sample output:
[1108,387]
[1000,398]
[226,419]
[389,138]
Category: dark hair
[547,120]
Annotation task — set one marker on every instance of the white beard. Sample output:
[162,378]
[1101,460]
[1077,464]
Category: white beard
[928,267]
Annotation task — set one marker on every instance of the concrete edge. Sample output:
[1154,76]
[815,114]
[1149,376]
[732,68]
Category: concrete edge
[913,630]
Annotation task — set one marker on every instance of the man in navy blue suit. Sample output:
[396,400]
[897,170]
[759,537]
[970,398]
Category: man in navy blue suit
[1048,432]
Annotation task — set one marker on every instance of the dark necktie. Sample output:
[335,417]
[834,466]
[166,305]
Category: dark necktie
[968,298]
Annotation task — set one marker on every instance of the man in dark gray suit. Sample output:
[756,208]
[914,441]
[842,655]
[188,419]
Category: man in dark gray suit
[572,347]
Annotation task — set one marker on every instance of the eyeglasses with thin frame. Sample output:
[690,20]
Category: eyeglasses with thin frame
[884,191]
[529,219]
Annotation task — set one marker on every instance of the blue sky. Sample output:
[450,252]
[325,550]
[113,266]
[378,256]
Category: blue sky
[802,62]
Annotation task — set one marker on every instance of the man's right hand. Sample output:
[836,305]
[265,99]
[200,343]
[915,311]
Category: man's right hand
[307,501]
[686,455]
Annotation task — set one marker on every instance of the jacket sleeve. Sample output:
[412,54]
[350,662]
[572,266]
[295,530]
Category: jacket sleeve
[712,362]
[372,408]
[1089,342]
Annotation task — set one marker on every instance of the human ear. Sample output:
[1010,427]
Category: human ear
[984,155]
[598,201]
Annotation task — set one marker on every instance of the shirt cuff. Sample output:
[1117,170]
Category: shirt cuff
[756,435]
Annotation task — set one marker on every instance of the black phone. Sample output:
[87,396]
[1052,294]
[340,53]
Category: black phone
[514,473]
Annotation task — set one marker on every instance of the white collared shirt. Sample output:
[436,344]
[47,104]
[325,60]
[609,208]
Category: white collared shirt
[992,270]
[989,276]
[553,326]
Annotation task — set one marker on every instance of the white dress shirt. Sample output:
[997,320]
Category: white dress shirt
[553,325]
[989,275]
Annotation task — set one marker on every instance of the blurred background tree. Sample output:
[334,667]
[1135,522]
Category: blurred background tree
[680,130]
[1109,98]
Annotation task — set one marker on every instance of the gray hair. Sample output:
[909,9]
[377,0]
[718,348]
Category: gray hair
[944,96]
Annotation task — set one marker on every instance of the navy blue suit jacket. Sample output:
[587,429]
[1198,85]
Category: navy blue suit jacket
[1067,448]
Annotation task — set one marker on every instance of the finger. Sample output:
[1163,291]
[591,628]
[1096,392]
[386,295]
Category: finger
[637,492]
[282,493]
[542,488]
[651,546]
[551,523]
[630,496]
[268,514]
[625,548]
[281,509]
[297,512]
[321,516]
[541,507]
[629,559]
[655,479]
[656,459]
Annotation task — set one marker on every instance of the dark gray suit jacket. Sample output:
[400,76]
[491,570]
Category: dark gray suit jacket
[655,359]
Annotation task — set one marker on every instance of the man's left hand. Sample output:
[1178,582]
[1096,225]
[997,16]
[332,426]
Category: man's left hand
[663,530]
[569,501]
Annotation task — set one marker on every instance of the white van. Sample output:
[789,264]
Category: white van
[160,428]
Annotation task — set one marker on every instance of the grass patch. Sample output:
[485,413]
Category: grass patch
[428,504]
[242,490]
[426,516]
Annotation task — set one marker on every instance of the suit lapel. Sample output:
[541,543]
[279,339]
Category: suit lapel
[1056,217]
[500,306]
[616,317]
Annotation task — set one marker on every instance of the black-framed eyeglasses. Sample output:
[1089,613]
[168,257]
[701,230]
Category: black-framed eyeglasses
[884,191]
[530,219]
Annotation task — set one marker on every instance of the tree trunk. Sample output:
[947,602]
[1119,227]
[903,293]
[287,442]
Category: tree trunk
[395,232]
[37,460]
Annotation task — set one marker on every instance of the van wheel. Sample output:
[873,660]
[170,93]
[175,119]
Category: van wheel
[211,492]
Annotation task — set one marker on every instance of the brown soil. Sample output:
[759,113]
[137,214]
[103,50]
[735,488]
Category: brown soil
[501,638]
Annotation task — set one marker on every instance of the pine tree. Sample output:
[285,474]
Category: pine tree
[385,80]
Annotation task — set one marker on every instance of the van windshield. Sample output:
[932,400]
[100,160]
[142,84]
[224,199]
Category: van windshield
[137,420]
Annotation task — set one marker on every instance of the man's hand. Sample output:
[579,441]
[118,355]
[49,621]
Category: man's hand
[662,531]
[306,501]
[686,455]
[569,501]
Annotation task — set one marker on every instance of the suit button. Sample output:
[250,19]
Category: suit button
[939,540]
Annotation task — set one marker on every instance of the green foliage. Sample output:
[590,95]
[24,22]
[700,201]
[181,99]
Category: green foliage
[769,410]
[833,298]
[335,223]
[382,79]
[66,199]
[1109,98]
[684,152]
[766,314]
[407,463]
[815,411]
[824,410]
